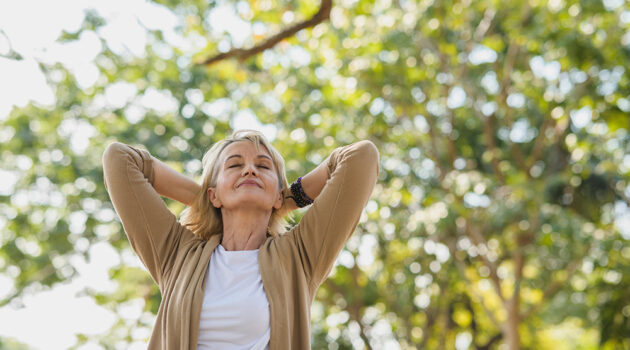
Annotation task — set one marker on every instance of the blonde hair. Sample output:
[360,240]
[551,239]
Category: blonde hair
[202,218]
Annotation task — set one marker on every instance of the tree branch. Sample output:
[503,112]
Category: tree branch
[242,54]
[477,238]
[433,151]
[484,25]
[554,287]
[354,308]
[558,128]
[488,131]
[523,239]
[539,142]
[451,147]
[505,84]
[510,60]
[12,54]
[492,340]
[462,269]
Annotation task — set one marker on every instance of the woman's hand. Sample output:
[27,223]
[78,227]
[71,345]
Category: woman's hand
[288,204]
[312,184]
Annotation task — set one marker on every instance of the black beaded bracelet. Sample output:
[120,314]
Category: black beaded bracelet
[299,196]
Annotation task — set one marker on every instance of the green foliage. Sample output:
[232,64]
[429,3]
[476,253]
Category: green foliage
[503,195]
[12,344]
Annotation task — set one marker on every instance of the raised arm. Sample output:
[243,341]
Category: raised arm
[151,227]
[172,184]
[350,175]
[312,184]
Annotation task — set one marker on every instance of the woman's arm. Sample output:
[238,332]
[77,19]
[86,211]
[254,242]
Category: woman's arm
[170,183]
[350,175]
[312,184]
[153,230]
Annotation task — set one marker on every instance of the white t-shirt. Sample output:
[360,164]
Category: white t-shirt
[235,310]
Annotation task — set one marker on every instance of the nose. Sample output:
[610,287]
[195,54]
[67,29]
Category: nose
[249,169]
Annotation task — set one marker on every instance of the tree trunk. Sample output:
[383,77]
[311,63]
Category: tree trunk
[510,331]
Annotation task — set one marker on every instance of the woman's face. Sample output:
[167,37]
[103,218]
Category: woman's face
[246,179]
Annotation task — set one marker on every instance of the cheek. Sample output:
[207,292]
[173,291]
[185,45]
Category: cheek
[222,183]
[273,182]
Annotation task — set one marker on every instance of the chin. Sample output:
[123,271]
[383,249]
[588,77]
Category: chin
[251,200]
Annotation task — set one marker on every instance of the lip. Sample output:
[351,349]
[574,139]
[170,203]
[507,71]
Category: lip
[249,182]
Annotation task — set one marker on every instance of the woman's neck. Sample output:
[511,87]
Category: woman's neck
[244,229]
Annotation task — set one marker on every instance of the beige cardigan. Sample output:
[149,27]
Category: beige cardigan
[292,266]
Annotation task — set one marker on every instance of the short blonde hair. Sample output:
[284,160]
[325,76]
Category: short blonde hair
[202,218]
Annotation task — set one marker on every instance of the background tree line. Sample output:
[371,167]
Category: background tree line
[503,133]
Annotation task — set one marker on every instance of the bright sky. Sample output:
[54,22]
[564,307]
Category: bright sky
[50,319]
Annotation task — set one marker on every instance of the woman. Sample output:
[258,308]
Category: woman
[229,276]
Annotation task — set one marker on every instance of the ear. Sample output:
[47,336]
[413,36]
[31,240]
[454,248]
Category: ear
[212,195]
[279,200]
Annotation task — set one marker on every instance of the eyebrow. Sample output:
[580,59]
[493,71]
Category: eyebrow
[240,156]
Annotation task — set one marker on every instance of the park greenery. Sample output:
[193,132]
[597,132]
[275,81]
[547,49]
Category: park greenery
[502,128]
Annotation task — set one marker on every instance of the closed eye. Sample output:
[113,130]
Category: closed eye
[235,165]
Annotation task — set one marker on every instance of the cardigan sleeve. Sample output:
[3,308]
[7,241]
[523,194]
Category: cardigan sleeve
[152,229]
[327,225]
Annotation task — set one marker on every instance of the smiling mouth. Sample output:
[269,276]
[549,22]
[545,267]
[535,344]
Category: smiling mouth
[248,184]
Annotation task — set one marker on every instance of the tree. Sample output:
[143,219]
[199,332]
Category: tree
[503,135]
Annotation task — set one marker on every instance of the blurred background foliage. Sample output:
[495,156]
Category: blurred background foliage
[503,133]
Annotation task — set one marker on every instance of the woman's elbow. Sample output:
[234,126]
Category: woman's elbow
[369,154]
[112,151]
[360,158]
